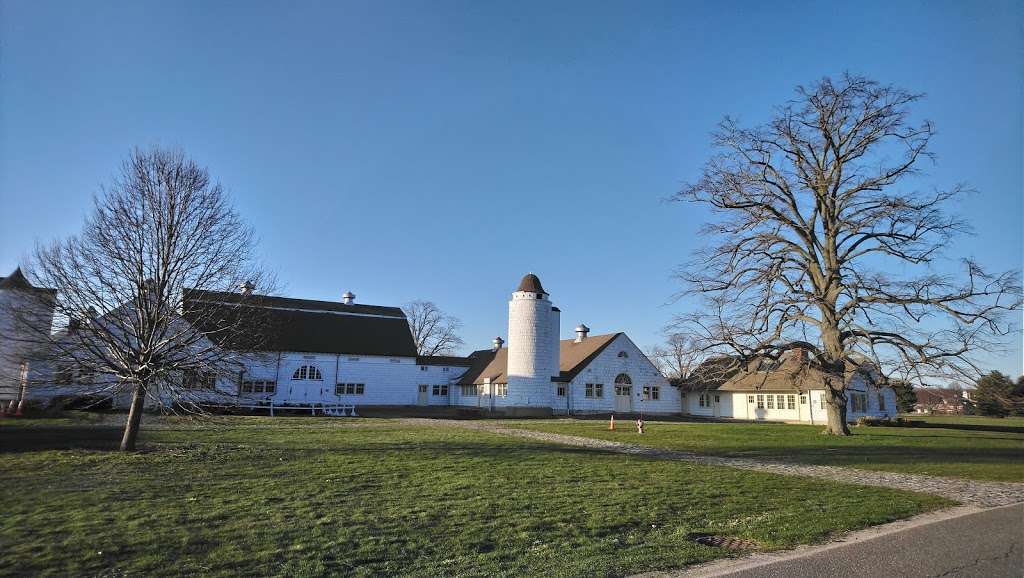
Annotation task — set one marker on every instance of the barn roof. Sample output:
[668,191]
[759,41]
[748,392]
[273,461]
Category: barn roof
[573,358]
[17,280]
[790,374]
[285,324]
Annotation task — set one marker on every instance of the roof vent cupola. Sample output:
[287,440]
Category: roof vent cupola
[348,298]
[581,332]
[531,284]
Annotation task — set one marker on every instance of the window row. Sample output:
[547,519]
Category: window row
[199,379]
[705,399]
[780,401]
[652,392]
[349,389]
[257,386]
[500,390]
[425,368]
[594,390]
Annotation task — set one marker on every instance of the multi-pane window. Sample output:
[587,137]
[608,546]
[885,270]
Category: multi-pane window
[702,400]
[423,368]
[199,379]
[258,386]
[445,368]
[790,402]
[760,401]
[771,402]
[623,354]
[560,391]
[311,372]
[859,401]
[501,389]
[349,389]
[623,390]
[803,400]
[881,401]
[652,392]
[595,390]
[750,399]
[717,399]
[440,390]
[468,390]
[781,401]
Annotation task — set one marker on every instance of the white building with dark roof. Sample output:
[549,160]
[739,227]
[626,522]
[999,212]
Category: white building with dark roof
[327,353]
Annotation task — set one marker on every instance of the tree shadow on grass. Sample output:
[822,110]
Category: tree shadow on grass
[34,439]
[969,427]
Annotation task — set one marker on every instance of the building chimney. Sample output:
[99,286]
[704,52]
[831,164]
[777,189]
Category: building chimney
[498,342]
[581,332]
[246,288]
[348,298]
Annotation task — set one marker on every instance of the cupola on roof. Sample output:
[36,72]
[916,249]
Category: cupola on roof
[531,284]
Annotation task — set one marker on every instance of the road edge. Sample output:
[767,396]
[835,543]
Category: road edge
[731,565]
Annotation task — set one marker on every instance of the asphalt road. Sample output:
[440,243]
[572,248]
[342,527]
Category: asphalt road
[987,544]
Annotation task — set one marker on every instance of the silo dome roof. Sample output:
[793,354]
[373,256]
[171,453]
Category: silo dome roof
[531,284]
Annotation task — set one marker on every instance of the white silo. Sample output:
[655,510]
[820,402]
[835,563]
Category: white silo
[532,345]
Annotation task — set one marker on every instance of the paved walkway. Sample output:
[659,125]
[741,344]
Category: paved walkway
[985,544]
[972,492]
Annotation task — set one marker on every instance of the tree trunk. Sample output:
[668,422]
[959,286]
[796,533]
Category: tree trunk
[131,427]
[836,408]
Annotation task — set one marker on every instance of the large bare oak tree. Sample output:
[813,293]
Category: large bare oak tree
[433,331]
[823,242]
[161,229]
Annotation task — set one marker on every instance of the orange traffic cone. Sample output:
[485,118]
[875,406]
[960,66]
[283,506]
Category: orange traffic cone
[21,406]
[10,407]
[611,424]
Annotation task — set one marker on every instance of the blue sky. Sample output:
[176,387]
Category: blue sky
[440,150]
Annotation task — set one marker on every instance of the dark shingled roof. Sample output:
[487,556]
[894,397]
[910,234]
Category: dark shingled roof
[572,356]
[450,360]
[303,325]
[531,284]
[17,280]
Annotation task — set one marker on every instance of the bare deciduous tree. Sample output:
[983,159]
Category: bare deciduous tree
[433,331]
[677,357]
[159,231]
[823,244]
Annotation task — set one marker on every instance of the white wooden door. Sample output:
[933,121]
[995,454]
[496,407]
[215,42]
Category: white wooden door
[624,398]
[422,393]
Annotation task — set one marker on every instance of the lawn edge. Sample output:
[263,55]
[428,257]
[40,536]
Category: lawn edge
[723,567]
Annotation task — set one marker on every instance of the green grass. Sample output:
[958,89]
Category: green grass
[1014,423]
[940,447]
[308,496]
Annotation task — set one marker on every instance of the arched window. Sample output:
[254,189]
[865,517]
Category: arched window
[623,354]
[308,372]
[623,379]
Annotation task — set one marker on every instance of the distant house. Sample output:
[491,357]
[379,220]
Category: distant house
[791,389]
[950,401]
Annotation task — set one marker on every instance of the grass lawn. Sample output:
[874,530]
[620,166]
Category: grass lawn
[987,449]
[314,496]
